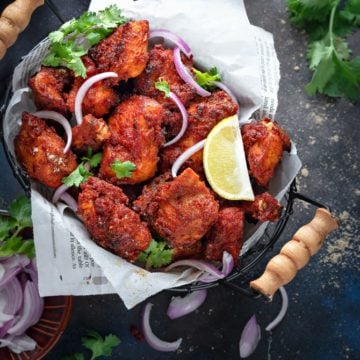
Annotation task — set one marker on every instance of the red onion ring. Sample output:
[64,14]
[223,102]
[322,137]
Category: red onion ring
[11,296]
[84,89]
[55,116]
[188,153]
[31,310]
[180,306]
[198,264]
[184,123]
[186,76]
[223,87]
[283,310]
[250,338]
[227,266]
[177,40]
[151,338]
[69,200]
[18,344]
[58,192]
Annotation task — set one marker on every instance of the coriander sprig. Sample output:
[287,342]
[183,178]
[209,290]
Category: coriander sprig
[336,74]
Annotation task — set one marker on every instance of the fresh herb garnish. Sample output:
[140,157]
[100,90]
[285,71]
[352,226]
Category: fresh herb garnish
[75,37]
[336,74]
[82,172]
[11,242]
[123,169]
[205,79]
[163,86]
[98,345]
[158,254]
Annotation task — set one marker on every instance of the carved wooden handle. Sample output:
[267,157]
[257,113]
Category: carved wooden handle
[14,19]
[295,254]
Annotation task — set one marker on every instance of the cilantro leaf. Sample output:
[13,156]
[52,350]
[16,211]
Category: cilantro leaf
[205,79]
[16,245]
[20,209]
[98,345]
[123,169]
[6,225]
[74,38]
[156,255]
[75,356]
[94,160]
[78,176]
[163,85]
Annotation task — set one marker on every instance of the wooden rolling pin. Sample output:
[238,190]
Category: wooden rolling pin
[13,20]
[295,254]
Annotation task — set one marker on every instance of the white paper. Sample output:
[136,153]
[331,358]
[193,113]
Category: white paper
[220,35]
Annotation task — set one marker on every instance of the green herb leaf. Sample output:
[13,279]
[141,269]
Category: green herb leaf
[94,160]
[205,79]
[6,225]
[163,86]
[75,356]
[157,255]
[16,245]
[78,176]
[20,209]
[75,37]
[123,169]
[98,345]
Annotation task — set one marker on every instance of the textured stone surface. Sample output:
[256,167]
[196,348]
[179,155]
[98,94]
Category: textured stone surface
[323,321]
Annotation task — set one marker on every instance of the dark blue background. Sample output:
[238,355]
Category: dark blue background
[323,317]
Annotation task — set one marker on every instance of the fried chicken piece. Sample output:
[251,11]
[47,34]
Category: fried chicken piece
[204,113]
[40,151]
[264,143]
[124,51]
[180,211]
[161,65]
[49,86]
[226,234]
[92,133]
[186,252]
[264,208]
[103,209]
[135,136]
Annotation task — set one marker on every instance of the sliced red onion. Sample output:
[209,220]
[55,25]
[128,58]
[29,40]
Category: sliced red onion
[9,275]
[198,264]
[18,344]
[53,115]
[250,338]
[58,192]
[184,115]
[223,87]
[188,153]
[11,298]
[151,338]
[283,310]
[31,269]
[15,261]
[84,89]
[186,76]
[168,35]
[180,306]
[69,200]
[227,266]
[31,311]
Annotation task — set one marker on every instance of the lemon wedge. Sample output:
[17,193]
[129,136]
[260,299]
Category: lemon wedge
[225,163]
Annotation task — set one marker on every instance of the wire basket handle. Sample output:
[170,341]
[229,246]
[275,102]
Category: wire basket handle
[295,254]
[13,20]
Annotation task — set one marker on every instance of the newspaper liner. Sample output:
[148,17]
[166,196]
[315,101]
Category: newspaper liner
[69,262]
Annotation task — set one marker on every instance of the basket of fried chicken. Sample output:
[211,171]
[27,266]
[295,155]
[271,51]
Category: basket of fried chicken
[145,157]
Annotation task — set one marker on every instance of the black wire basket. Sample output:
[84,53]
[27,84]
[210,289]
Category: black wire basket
[247,261]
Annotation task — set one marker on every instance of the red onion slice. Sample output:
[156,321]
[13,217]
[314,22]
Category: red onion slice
[188,153]
[250,338]
[9,275]
[198,264]
[58,192]
[11,297]
[53,115]
[186,76]
[223,87]
[151,338]
[18,344]
[84,89]
[184,115]
[180,306]
[177,40]
[31,311]
[283,310]
[69,200]
[227,266]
